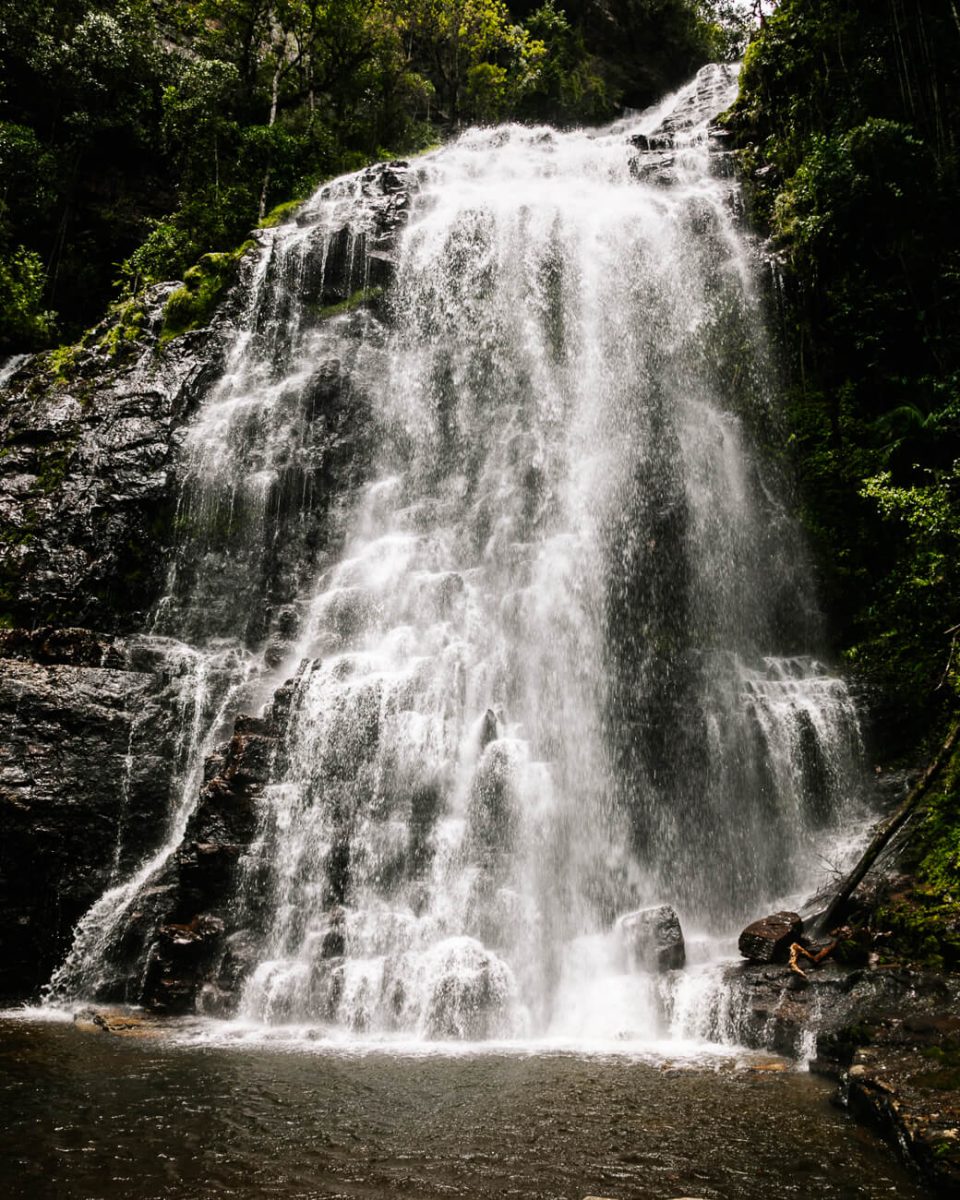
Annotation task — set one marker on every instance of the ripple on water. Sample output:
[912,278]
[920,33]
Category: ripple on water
[95,1117]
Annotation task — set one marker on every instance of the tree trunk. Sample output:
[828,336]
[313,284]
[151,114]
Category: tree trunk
[274,103]
[886,831]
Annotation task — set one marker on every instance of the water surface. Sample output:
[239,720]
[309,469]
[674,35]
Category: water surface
[96,1117]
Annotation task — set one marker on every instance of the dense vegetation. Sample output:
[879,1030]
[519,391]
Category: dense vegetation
[848,122]
[848,119]
[138,135]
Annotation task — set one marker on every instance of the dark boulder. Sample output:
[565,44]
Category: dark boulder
[181,961]
[652,141]
[769,939]
[653,938]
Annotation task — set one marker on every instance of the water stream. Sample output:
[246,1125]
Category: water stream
[505,512]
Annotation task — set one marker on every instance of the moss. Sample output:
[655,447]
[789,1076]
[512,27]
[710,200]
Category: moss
[53,468]
[281,214]
[842,1044]
[62,361]
[924,921]
[129,319]
[357,300]
[945,1080]
[192,306]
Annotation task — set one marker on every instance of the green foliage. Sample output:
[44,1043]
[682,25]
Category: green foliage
[138,135]
[23,319]
[360,298]
[844,126]
[126,327]
[280,214]
[61,362]
[925,921]
[191,306]
[479,62]
[570,83]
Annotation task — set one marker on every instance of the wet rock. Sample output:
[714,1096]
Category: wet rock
[492,810]
[658,168]
[652,141]
[889,1036]
[769,939]
[90,468]
[239,958]
[901,1074]
[180,963]
[202,937]
[470,991]
[653,938]
[358,257]
[334,943]
[88,472]
[488,728]
[67,647]
[83,791]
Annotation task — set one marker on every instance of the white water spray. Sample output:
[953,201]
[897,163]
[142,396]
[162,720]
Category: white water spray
[561,667]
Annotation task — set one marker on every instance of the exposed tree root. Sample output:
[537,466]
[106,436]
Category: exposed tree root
[796,950]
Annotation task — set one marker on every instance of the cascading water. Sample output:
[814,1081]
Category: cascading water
[558,669]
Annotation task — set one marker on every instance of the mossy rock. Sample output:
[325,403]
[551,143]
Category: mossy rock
[281,214]
[359,299]
[192,306]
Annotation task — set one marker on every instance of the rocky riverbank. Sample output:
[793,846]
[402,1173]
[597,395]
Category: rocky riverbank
[887,1032]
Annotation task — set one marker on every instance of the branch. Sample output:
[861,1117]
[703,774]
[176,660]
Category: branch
[887,829]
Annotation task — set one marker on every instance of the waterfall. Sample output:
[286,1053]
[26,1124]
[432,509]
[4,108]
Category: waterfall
[485,478]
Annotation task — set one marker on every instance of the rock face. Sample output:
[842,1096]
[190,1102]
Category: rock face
[653,938]
[201,934]
[81,763]
[769,939]
[87,471]
[889,1035]
[92,468]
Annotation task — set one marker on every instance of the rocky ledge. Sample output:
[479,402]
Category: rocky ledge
[195,922]
[902,1075]
[888,1033]
[88,464]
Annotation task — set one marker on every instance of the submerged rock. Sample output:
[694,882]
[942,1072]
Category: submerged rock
[653,938]
[770,938]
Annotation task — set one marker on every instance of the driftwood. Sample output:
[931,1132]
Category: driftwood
[796,950]
[886,831]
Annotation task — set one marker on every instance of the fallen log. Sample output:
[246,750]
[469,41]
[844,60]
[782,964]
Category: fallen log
[886,830]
